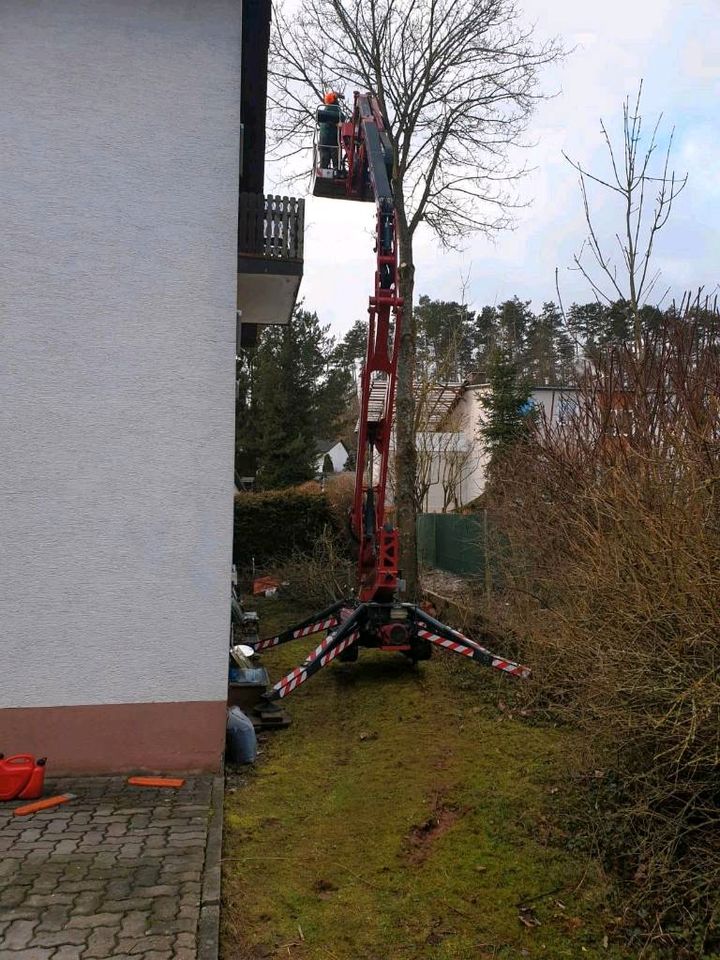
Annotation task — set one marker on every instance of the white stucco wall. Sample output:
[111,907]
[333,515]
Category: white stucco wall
[118,192]
[471,414]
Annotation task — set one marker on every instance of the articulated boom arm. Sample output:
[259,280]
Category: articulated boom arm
[375,618]
[369,163]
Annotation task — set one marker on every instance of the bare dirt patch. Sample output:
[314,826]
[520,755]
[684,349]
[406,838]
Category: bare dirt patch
[422,836]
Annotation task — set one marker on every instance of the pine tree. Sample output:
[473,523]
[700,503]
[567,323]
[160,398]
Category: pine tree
[299,394]
[484,336]
[286,449]
[350,352]
[505,405]
[514,317]
[588,326]
[444,343]
[541,354]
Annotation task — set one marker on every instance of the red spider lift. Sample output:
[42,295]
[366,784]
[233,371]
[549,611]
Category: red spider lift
[375,617]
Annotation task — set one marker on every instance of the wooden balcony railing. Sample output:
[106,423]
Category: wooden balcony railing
[271,227]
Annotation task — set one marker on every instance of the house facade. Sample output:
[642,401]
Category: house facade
[457,460]
[132,130]
[336,454]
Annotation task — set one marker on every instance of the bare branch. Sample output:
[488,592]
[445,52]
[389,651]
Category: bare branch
[638,237]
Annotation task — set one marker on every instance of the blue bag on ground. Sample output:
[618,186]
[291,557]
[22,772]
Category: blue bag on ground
[240,740]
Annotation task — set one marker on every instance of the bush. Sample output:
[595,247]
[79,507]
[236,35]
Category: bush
[271,527]
[612,560]
[324,574]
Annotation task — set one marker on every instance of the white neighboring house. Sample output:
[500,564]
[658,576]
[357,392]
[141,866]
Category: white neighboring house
[338,454]
[468,452]
[445,461]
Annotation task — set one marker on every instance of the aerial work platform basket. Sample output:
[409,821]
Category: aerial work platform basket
[328,182]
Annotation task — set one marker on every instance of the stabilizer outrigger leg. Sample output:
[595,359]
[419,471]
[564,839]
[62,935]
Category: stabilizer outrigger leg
[325,652]
[396,626]
[325,620]
[443,636]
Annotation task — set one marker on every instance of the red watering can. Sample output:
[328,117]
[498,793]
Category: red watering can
[22,777]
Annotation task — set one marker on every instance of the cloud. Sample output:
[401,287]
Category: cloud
[676,49]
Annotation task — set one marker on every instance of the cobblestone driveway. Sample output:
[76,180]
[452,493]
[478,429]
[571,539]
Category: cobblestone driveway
[119,872]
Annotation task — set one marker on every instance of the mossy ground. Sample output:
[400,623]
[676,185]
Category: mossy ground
[332,846]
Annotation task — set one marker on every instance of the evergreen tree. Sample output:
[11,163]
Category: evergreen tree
[619,323]
[350,352]
[284,397]
[565,360]
[513,319]
[291,393]
[444,342]
[246,421]
[543,340]
[484,336]
[587,325]
[505,405]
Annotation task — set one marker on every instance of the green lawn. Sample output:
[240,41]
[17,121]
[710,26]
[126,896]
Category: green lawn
[404,816]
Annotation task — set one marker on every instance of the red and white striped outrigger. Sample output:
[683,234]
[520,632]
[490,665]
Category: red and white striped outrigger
[412,631]
[325,620]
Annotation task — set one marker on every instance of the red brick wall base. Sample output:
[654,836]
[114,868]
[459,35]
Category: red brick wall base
[120,737]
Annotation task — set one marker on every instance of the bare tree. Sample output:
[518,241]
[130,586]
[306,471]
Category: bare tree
[456,81]
[634,178]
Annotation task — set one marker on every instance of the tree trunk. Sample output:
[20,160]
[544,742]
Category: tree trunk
[405,452]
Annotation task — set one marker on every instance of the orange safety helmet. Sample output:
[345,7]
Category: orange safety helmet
[331,97]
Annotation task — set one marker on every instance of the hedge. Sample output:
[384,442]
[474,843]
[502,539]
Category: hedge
[272,526]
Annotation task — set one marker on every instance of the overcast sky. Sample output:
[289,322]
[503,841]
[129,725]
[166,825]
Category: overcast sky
[674,45]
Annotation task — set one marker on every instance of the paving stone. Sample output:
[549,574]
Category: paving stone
[13,896]
[18,913]
[68,952]
[185,941]
[19,934]
[101,943]
[159,890]
[189,912]
[92,920]
[129,851]
[130,945]
[49,899]
[88,902]
[116,875]
[34,953]
[55,917]
[118,828]
[30,834]
[165,908]
[134,924]
[55,826]
[55,938]
[133,903]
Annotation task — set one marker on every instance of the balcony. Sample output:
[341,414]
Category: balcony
[270,257]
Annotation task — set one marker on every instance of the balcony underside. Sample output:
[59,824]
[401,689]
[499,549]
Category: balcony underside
[267,289]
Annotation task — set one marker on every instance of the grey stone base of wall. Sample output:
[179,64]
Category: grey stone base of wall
[208,945]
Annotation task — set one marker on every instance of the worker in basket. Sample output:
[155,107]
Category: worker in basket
[329,116]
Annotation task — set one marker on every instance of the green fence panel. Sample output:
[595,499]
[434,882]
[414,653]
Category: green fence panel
[458,543]
[426,539]
[452,542]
